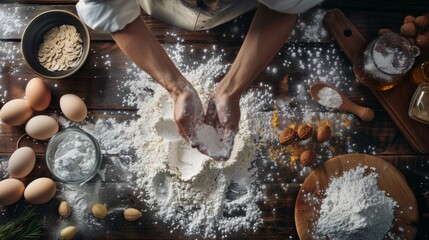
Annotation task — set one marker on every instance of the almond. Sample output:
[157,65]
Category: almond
[132,214]
[64,209]
[307,158]
[323,133]
[287,136]
[304,131]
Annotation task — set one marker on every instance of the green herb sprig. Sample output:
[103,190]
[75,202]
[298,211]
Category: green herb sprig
[26,226]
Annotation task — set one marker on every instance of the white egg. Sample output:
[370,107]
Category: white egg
[21,163]
[41,127]
[73,107]
[40,191]
[16,112]
[11,191]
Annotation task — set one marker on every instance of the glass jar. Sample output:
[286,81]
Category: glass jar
[420,73]
[419,106]
[73,156]
[385,61]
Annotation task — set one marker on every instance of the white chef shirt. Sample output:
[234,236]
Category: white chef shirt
[114,15]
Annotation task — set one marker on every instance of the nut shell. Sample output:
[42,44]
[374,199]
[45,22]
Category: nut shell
[307,158]
[323,133]
[287,136]
[304,131]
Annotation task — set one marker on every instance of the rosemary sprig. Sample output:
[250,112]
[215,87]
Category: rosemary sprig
[25,226]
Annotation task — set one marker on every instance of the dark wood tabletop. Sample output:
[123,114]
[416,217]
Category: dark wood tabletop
[381,136]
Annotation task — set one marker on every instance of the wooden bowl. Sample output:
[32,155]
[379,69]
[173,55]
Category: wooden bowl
[33,37]
[390,180]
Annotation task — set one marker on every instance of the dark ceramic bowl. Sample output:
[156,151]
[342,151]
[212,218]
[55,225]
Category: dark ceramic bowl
[33,37]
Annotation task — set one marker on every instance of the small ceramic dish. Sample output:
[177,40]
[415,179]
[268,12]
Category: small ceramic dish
[33,37]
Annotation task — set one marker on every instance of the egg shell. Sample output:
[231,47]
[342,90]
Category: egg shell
[16,112]
[38,94]
[40,191]
[41,127]
[73,107]
[21,163]
[11,191]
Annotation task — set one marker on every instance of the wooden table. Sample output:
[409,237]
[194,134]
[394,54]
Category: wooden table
[381,134]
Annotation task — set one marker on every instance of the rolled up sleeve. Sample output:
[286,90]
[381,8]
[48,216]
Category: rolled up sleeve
[290,6]
[108,15]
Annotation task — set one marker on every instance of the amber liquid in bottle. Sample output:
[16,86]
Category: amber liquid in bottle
[371,81]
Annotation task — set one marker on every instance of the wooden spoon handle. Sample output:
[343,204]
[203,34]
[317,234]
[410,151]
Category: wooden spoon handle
[364,113]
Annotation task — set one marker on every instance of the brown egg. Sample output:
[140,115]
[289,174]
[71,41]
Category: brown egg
[73,107]
[38,94]
[40,191]
[11,191]
[21,163]
[41,127]
[16,112]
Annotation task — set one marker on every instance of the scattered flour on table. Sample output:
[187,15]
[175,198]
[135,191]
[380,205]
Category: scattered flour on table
[309,27]
[354,207]
[12,20]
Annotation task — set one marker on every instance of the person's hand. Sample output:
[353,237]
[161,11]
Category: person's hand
[188,112]
[223,112]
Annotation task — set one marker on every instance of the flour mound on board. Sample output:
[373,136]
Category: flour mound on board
[355,208]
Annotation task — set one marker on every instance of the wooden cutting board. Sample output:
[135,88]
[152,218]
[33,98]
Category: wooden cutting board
[396,100]
[389,179]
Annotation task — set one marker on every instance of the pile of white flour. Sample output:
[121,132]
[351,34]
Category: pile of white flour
[185,188]
[355,208]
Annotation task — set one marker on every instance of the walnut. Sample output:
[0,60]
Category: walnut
[307,158]
[287,136]
[408,30]
[323,133]
[304,131]
[421,22]
[384,31]
[423,40]
[409,19]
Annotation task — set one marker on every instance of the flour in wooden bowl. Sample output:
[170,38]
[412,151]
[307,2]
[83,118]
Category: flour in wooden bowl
[354,207]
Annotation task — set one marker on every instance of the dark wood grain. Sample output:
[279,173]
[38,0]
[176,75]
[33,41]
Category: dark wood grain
[97,82]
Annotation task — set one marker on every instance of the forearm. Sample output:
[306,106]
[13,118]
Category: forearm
[139,44]
[267,34]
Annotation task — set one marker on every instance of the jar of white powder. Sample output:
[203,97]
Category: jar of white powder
[73,156]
